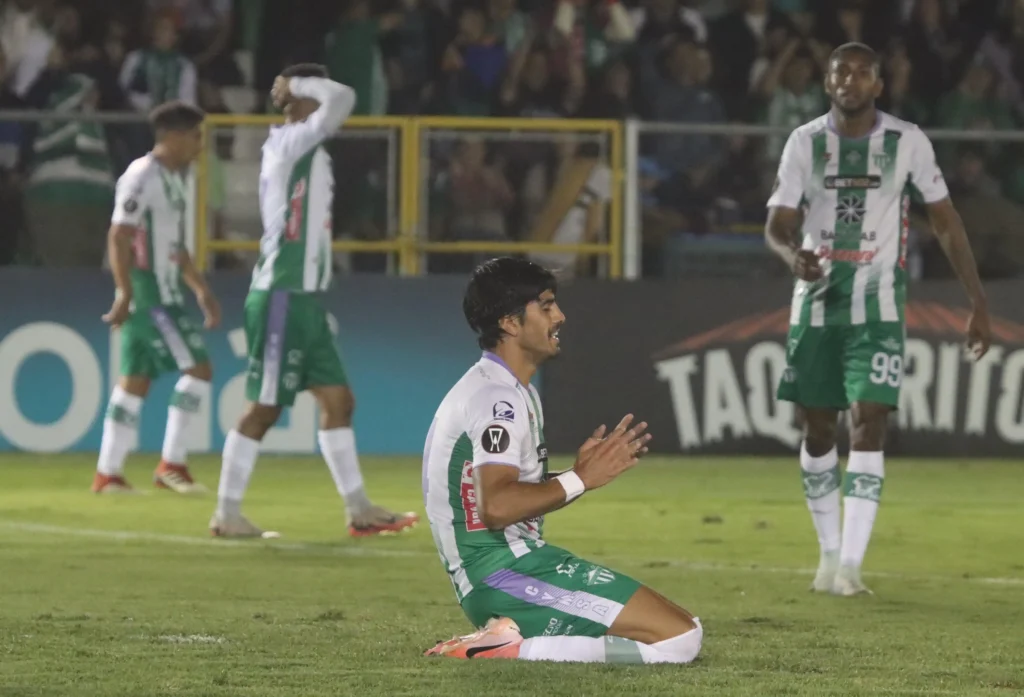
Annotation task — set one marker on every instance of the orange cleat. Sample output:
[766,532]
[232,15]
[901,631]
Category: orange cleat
[176,478]
[111,484]
[380,521]
[499,638]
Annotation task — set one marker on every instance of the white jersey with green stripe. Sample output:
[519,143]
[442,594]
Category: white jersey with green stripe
[297,192]
[152,199]
[488,419]
[855,197]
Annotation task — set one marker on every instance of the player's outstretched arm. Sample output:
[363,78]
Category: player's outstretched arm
[504,500]
[949,230]
[204,295]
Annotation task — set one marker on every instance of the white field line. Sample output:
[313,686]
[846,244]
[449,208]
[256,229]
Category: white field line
[360,551]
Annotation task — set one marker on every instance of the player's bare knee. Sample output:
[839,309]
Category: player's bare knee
[203,371]
[868,426]
[337,405]
[650,618]
[819,432]
[136,385]
[257,420]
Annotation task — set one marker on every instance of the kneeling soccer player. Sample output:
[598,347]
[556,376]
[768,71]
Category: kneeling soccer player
[487,489]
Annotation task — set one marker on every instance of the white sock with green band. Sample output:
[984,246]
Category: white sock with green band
[862,490]
[188,396]
[120,432]
[821,480]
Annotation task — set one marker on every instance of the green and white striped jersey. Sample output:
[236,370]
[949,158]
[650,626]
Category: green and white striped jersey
[297,192]
[855,196]
[487,419]
[152,199]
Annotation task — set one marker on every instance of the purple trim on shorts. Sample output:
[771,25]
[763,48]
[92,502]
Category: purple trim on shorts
[527,588]
[273,342]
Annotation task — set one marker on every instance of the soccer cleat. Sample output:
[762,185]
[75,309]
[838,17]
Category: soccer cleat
[380,521]
[238,526]
[111,484]
[827,567]
[499,638]
[848,583]
[176,478]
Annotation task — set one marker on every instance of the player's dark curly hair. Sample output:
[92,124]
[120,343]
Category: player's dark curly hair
[501,288]
[857,47]
[176,116]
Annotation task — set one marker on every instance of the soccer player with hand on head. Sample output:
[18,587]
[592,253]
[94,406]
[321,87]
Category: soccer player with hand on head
[838,216]
[290,343]
[149,261]
[487,490]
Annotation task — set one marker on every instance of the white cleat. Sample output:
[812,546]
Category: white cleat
[239,526]
[828,565]
[178,479]
[847,582]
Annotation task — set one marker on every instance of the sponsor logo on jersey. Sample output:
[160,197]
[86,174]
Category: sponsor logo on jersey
[503,411]
[495,439]
[469,501]
[833,235]
[850,208]
[848,256]
[871,181]
[293,230]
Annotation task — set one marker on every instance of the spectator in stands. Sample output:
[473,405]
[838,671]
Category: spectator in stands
[71,182]
[738,39]
[160,73]
[976,104]
[205,27]
[1003,50]
[25,42]
[931,41]
[898,99]
[412,57]
[611,96]
[86,57]
[658,20]
[473,66]
[792,89]
[510,24]
[682,96]
[601,30]
[531,91]
[353,56]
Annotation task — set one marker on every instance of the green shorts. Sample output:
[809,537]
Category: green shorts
[291,347]
[159,340]
[832,367]
[550,592]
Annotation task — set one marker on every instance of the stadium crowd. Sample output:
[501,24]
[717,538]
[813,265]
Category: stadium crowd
[951,64]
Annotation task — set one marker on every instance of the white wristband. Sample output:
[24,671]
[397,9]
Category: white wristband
[572,484]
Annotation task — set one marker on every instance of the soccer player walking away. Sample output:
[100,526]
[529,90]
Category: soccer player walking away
[291,347]
[487,489]
[838,216]
[149,260]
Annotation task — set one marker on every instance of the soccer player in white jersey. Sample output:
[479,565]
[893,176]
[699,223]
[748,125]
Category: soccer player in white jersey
[487,489]
[149,261]
[838,216]
[291,347]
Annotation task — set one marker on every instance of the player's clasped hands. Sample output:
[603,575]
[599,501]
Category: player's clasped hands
[602,458]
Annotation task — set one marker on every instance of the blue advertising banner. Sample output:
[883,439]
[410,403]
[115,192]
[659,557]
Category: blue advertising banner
[404,343]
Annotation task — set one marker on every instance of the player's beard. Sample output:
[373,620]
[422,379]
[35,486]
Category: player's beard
[855,110]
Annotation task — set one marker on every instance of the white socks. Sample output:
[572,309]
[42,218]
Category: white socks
[338,446]
[189,393]
[862,489]
[821,480]
[120,432]
[240,455]
[610,649]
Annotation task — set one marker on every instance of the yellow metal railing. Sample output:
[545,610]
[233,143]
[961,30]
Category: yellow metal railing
[409,244]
